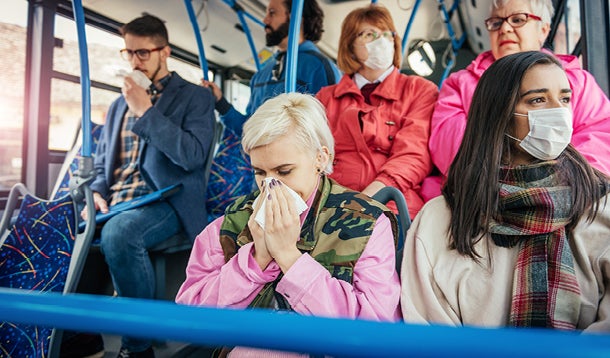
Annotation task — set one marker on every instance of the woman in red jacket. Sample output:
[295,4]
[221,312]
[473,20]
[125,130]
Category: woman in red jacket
[380,118]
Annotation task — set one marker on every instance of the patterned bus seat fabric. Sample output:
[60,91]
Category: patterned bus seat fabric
[231,175]
[36,256]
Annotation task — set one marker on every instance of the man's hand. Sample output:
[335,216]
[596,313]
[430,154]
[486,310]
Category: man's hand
[100,204]
[136,97]
[214,87]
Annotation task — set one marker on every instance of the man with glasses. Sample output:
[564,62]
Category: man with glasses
[516,26]
[153,137]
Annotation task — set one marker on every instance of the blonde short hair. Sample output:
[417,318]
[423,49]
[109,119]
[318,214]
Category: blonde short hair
[300,113]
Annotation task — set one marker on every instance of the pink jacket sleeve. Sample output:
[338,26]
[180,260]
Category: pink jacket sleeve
[591,110]
[212,282]
[307,286]
[449,118]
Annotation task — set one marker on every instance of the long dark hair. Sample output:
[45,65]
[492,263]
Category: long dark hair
[472,188]
[313,19]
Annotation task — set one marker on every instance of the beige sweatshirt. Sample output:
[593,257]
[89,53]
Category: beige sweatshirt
[441,286]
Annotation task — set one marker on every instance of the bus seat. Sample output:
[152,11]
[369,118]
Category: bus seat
[385,195]
[70,164]
[231,175]
[40,251]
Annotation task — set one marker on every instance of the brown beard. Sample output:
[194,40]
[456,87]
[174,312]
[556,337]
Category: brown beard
[274,37]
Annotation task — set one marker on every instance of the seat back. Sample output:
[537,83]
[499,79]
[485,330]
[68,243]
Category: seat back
[231,175]
[70,165]
[384,196]
[40,251]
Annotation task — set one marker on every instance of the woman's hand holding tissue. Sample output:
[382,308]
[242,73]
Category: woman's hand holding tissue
[275,225]
[282,226]
[261,254]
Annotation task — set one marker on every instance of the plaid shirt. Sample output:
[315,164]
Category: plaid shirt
[128,180]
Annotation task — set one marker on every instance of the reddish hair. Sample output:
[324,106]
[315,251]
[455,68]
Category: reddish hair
[375,15]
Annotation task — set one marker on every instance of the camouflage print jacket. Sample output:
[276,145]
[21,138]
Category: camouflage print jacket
[335,232]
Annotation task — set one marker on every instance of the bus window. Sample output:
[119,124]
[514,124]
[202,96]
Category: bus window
[187,71]
[66,111]
[105,65]
[13,22]
[238,94]
[568,31]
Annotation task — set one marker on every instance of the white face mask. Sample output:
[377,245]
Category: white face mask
[550,132]
[381,54]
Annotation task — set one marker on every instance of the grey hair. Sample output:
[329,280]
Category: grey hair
[300,113]
[542,8]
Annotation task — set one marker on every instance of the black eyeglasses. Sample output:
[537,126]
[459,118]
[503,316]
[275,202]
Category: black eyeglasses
[514,20]
[142,53]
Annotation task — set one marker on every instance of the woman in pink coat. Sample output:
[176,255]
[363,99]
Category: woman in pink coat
[516,26]
[380,118]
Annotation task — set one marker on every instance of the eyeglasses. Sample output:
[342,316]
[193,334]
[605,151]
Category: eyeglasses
[514,20]
[367,36]
[142,53]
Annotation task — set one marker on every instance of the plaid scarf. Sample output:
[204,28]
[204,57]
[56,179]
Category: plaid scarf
[534,210]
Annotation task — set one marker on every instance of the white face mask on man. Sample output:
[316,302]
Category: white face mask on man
[381,54]
[550,132]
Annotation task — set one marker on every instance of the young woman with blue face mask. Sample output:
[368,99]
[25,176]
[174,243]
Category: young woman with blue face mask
[380,118]
[521,234]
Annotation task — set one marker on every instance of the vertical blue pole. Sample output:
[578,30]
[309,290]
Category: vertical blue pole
[408,29]
[85,80]
[244,25]
[293,45]
[203,63]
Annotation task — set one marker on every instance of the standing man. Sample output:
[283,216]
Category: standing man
[153,137]
[314,70]
[231,175]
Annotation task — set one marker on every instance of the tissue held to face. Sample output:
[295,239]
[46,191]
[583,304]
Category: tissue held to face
[292,165]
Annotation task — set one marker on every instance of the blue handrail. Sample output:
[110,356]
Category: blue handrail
[242,20]
[203,63]
[242,14]
[79,16]
[285,331]
[456,44]
[409,25]
[293,45]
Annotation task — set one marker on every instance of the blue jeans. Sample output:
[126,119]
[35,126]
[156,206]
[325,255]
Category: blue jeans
[125,241]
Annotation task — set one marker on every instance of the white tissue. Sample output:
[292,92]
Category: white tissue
[298,201]
[140,79]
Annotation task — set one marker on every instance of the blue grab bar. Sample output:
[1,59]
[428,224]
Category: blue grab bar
[293,45]
[287,331]
[409,25]
[79,16]
[242,14]
[242,20]
[203,63]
